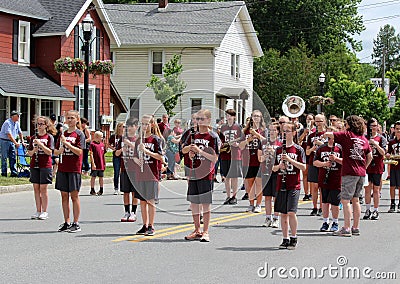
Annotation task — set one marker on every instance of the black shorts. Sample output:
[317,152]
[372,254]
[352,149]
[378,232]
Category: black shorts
[331,196]
[251,172]
[269,189]
[146,190]
[312,175]
[53,159]
[68,182]
[97,173]
[395,178]
[127,181]
[200,191]
[231,168]
[376,179]
[286,201]
[41,176]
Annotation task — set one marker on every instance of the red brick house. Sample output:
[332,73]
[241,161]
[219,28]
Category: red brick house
[33,35]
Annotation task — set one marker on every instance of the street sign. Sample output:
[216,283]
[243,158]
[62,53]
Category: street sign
[378,84]
[392,101]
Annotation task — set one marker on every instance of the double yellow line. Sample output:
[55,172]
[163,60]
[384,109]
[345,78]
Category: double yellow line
[190,227]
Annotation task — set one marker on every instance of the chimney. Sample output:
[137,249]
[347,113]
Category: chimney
[162,5]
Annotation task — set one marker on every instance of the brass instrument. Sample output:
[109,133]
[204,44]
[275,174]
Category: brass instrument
[293,106]
[394,157]
[390,161]
[226,146]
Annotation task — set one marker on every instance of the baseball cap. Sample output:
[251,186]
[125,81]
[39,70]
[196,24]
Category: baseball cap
[53,116]
[14,112]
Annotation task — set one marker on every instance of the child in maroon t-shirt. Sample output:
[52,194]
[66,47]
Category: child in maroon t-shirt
[97,151]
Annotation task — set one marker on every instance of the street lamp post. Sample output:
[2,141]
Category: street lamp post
[321,84]
[87,26]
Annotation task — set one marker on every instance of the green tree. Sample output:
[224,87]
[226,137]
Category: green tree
[386,44]
[170,88]
[361,99]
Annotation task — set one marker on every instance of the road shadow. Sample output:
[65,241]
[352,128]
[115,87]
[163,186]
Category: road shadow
[238,226]
[16,219]
[30,233]
[304,233]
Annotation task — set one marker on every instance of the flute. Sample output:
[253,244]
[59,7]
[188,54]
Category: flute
[369,136]
[62,133]
[36,146]
[267,154]
[140,153]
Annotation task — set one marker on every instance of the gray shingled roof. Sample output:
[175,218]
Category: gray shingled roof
[62,14]
[29,8]
[182,23]
[30,81]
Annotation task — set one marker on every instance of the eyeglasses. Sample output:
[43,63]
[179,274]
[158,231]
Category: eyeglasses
[255,115]
[319,121]
[332,119]
[200,118]
[281,122]
[41,124]
[374,125]
[287,131]
[71,117]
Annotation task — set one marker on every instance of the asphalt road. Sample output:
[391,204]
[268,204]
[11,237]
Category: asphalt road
[241,250]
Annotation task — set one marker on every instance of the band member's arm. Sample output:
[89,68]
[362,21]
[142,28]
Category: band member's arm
[45,149]
[369,159]
[92,159]
[246,141]
[297,164]
[378,147]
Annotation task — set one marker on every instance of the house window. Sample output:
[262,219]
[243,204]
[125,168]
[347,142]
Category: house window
[92,46]
[196,105]
[47,107]
[235,66]
[3,108]
[24,42]
[156,62]
[91,104]
[134,108]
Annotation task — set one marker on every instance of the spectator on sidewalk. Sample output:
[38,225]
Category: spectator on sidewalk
[8,143]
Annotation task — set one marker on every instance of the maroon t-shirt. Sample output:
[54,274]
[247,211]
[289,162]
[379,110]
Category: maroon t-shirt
[335,171]
[310,142]
[98,151]
[263,147]
[203,169]
[72,163]
[115,141]
[249,153]
[150,166]
[128,153]
[228,134]
[376,166]
[163,126]
[292,173]
[355,149]
[394,149]
[44,160]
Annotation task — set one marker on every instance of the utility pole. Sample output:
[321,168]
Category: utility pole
[383,67]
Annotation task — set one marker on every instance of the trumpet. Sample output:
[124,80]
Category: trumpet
[394,157]
[390,162]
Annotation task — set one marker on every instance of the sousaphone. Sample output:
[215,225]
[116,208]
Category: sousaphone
[293,106]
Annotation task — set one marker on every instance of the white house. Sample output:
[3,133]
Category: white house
[217,44]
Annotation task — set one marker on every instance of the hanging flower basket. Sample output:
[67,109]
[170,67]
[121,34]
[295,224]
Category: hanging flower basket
[101,67]
[70,65]
[320,100]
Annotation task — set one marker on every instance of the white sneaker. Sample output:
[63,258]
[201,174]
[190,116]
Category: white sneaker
[275,223]
[267,223]
[35,216]
[125,217]
[43,216]
[250,208]
[132,217]
[257,209]
[116,192]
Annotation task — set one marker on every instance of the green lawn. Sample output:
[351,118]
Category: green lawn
[6,181]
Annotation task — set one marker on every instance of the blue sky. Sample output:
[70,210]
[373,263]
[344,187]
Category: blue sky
[376,14]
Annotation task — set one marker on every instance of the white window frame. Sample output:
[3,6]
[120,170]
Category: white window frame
[92,44]
[235,66]
[25,59]
[91,120]
[151,62]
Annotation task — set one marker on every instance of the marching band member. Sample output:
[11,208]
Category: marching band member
[375,170]
[313,142]
[148,153]
[202,148]
[68,181]
[289,161]
[328,159]
[231,167]
[266,157]
[251,166]
[394,149]
[40,149]
[303,137]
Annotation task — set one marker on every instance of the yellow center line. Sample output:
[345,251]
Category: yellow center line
[189,227]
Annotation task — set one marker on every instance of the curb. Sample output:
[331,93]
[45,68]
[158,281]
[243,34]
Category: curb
[28,186]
